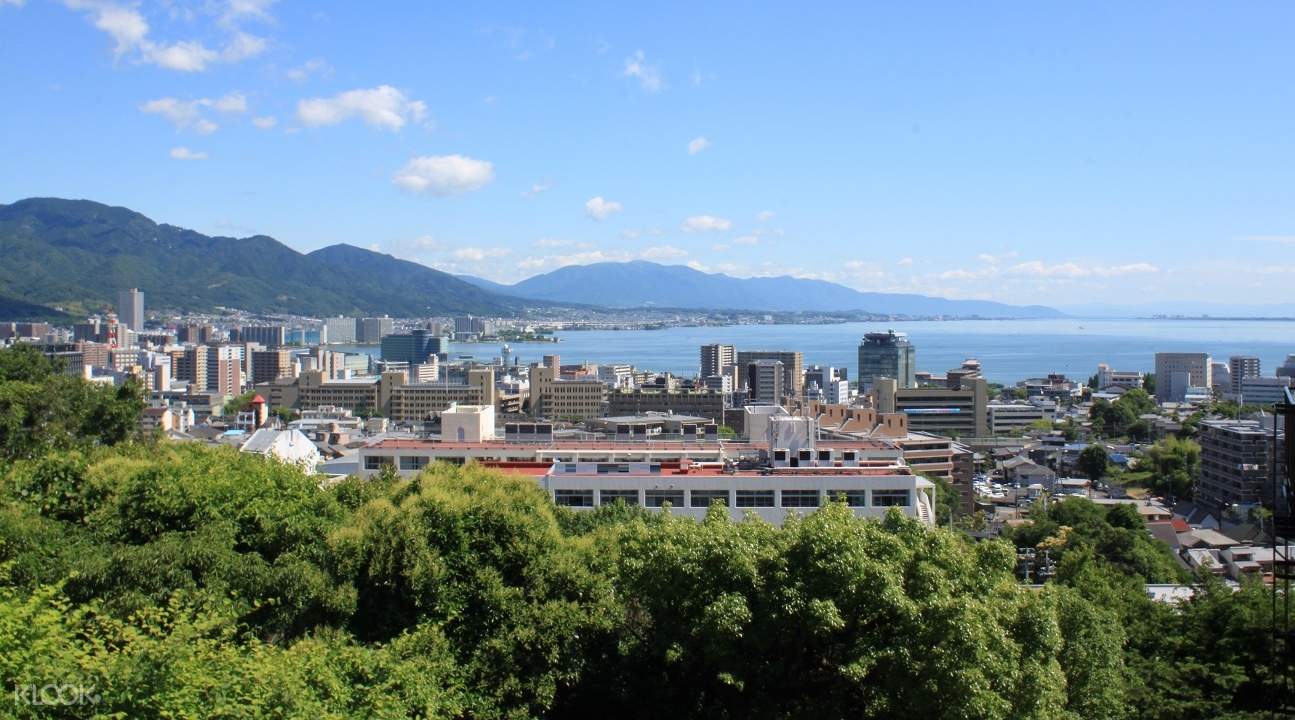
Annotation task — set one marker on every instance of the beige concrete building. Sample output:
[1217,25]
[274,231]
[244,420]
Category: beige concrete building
[1175,372]
[951,411]
[270,364]
[363,394]
[565,399]
[700,403]
[468,423]
[420,401]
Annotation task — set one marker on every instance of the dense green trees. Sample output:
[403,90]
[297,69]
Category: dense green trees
[1093,461]
[1174,464]
[42,409]
[178,581]
[1116,534]
[1121,418]
[192,582]
[1207,657]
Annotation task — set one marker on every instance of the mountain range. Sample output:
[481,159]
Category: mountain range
[79,254]
[647,284]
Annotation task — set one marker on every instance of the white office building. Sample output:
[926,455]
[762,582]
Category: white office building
[1108,378]
[1006,417]
[690,489]
[1263,390]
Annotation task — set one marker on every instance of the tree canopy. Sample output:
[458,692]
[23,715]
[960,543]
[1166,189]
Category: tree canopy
[176,580]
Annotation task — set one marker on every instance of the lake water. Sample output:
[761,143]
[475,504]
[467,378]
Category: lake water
[1009,350]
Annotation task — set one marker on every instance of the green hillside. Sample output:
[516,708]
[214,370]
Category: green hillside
[78,251]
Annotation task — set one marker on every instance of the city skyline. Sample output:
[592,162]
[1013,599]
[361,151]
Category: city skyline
[1096,153]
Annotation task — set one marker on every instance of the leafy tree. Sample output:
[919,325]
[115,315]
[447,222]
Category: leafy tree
[821,616]
[1149,383]
[1175,464]
[42,410]
[1093,461]
[1116,537]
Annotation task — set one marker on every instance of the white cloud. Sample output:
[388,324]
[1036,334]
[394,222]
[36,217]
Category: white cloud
[588,257]
[706,223]
[695,265]
[559,242]
[308,69]
[475,254]
[720,247]
[747,240]
[383,106]
[995,259]
[648,76]
[15,3]
[599,208]
[697,144]
[1139,268]
[126,26]
[130,33]
[265,123]
[428,242]
[444,174]
[581,258]
[905,261]
[537,188]
[243,46]
[236,10]
[1037,268]
[764,215]
[188,114]
[189,56]
[663,252]
[234,102]
[184,153]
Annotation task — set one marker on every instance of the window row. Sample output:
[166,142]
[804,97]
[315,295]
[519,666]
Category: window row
[739,498]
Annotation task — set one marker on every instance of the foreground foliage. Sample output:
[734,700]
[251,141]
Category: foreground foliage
[177,581]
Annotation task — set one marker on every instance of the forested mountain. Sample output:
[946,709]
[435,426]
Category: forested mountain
[78,251]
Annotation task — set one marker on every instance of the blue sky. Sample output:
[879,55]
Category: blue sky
[1023,152]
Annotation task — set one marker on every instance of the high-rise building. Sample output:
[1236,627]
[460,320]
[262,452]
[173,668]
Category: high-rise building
[196,334]
[413,347]
[271,336]
[371,330]
[1177,372]
[225,369]
[793,364]
[887,354]
[766,381]
[269,365]
[469,325]
[714,358]
[826,384]
[190,365]
[1241,367]
[130,308]
[1235,457]
[958,409]
[338,330]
